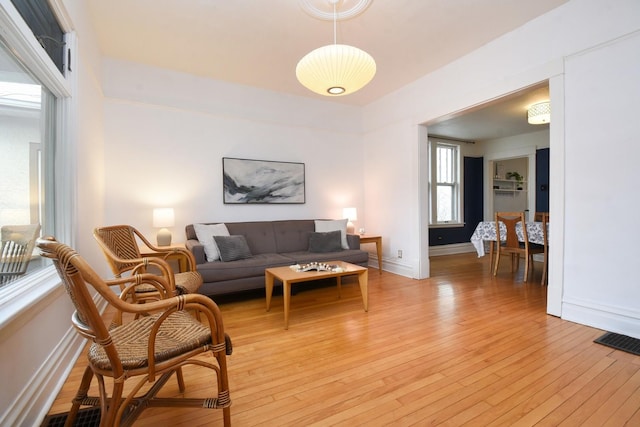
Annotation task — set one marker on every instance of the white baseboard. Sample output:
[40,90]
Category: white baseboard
[392,266]
[33,403]
[610,319]
[456,248]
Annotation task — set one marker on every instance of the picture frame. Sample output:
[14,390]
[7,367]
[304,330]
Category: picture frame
[247,181]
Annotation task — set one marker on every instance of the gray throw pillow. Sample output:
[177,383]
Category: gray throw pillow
[232,247]
[329,241]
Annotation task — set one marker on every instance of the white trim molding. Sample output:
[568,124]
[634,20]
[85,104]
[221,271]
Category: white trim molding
[452,249]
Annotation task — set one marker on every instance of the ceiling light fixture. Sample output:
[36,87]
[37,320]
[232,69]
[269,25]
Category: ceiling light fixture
[539,114]
[335,69]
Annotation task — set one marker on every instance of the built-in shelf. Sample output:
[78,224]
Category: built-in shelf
[509,187]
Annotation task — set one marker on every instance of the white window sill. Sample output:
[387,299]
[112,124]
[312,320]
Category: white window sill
[447,225]
[20,297]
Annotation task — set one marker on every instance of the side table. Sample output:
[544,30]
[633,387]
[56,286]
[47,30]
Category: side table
[378,241]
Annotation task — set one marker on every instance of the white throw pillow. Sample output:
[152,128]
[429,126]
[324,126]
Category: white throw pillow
[205,233]
[322,226]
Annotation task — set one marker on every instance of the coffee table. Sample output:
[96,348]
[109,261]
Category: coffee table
[289,276]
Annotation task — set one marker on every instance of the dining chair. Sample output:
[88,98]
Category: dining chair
[509,244]
[119,244]
[543,217]
[537,216]
[545,236]
[158,342]
[16,250]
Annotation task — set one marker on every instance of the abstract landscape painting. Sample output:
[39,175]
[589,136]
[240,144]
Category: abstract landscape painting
[262,181]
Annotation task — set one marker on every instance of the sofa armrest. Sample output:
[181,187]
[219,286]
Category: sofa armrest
[353,240]
[197,249]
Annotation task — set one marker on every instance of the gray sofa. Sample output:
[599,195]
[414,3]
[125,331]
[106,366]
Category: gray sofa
[272,244]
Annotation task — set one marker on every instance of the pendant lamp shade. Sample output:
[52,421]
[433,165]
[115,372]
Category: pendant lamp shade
[336,70]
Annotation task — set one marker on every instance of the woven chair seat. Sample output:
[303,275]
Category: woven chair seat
[179,333]
[188,282]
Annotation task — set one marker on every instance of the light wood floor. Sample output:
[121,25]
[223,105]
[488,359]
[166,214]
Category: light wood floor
[460,348]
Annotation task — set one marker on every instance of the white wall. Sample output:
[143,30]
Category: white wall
[533,53]
[166,134]
[602,199]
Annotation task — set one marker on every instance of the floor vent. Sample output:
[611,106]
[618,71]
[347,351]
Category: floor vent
[89,417]
[620,342]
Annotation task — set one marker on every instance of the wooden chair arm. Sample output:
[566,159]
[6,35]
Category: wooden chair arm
[180,302]
[144,262]
[129,285]
[191,261]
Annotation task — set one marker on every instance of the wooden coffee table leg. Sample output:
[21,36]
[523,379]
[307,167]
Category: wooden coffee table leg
[363,281]
[339,283]
[268,281]
[286,290]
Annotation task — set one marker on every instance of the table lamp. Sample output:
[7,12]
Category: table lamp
[162,218]
[352,215]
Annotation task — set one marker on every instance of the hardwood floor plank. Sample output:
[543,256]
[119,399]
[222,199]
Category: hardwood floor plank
[460,348]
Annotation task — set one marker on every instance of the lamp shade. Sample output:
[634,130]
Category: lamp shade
[539,113]
[163,217]
[350,213]
[336,70]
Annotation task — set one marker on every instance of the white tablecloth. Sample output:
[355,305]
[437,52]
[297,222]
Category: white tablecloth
[486,231]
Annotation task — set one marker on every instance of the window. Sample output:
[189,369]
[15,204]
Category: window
[445,182]
[24,125]
[36,146]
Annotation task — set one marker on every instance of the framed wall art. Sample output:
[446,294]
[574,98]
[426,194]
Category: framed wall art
[247,181]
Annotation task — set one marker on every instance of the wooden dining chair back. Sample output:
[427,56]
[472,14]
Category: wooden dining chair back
[508,242]
[120,246]
[160,339]
[537,216]
[18,242]
[545,236]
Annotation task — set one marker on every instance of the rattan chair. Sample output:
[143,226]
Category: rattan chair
[161,339]
[18,242]
[510,245]
[119,243]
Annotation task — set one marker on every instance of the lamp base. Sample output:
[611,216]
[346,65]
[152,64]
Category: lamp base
[351,229]
[164,237]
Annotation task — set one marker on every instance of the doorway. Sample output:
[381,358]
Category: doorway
[510,185]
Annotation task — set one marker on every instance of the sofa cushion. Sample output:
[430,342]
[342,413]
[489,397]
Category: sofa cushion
[325,242]
[219,271]
[353,256]
[259,235]
[205,233]
[292,235]
[232,248]
[333,225]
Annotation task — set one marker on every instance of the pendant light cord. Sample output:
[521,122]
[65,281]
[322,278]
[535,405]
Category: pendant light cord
[335,16]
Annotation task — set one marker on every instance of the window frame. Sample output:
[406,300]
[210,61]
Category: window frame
[36,286]
[458,188]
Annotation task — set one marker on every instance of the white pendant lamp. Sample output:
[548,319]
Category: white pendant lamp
[336,69]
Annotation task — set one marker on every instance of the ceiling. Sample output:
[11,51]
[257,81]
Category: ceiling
[258,42]
[501,118]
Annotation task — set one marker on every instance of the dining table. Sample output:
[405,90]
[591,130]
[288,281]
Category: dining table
[486,232]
